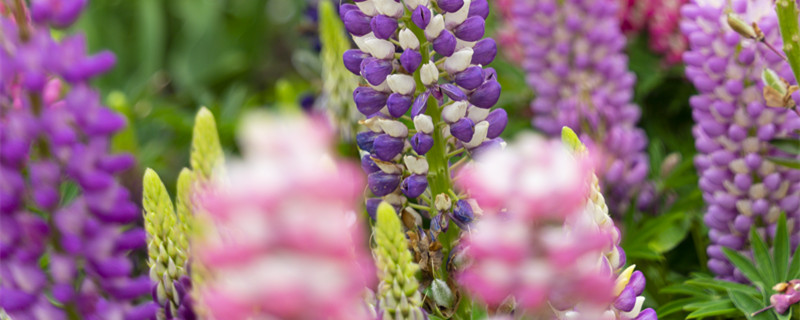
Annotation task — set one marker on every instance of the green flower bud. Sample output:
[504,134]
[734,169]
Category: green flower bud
[398,291]
[206,155]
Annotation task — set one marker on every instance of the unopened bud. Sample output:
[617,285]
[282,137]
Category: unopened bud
[741,27]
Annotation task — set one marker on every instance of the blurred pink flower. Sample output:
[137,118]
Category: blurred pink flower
[537,250]
[285,241]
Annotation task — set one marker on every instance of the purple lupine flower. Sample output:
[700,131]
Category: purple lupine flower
[53,139]
[464,95]
[742,188]
[575,62]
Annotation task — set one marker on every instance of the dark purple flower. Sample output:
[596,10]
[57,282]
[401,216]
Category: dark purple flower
[414,185]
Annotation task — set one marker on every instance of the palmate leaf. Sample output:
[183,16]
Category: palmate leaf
[723,286]
[748,305]
[676,306]
[794,267]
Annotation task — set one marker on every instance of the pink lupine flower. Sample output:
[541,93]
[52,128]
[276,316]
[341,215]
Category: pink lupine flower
[286,242]
[532,251]
[664,32]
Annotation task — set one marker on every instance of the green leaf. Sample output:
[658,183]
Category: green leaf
[744,265]
[781,249]
[788,145]
[721,285]
[710,308]
[676,306]
[786,162]
[747,305]
[764,262]
[681,288]
[794,267]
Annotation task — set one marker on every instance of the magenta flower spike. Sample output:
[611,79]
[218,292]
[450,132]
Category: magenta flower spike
[283,240]
[575,62]
[54,132]
[742,188]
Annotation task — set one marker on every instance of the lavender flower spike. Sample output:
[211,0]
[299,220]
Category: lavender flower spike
[575,62]
[50,138]
[742,188]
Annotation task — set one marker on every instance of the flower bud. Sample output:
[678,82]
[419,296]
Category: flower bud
[420,104]
[470,78]
[463,129]
[429,73]
[401,83]
[741,27]
[479,8]
[421,143]
[450,5]
[423,123]
[408,40]
[369,101]
[393,128]
[484,51]
[410,60]
[453,92]
[365,139]
[442,202]
[398,104]
[381,183]
[368,165]
[445,43]
[387,147]
[375,71]
[383,27]
[471,30]
[414,185]
[357,23]
[435,27]
[381,49]
[462,212]
[486,95]
[421,17]
[497,119]
[416,165]
[481,130]
[454,112]
[453,19]
[458,61]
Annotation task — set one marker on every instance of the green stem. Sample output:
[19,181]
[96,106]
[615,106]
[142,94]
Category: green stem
[790,32]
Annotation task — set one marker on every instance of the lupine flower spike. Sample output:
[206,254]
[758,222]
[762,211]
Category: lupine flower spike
[169,228]
[576,64]
[741,186]
[280,236]
[54,135]
[424,63]
[398,294]
[337,83]
[550,248]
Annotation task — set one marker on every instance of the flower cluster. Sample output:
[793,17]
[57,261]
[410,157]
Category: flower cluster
[453,115]
[576,64]
[546,238]
[281,237]
[742,188]
[660,19]
[64,218]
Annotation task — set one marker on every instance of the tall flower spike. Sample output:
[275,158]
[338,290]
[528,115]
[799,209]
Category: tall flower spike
[280,238]
[167,248]
[426,61]
[55,133]
[337,82]
[398,291]
[741,186]
[576,64]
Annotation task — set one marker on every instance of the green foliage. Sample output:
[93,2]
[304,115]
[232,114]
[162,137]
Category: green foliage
[712,297]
